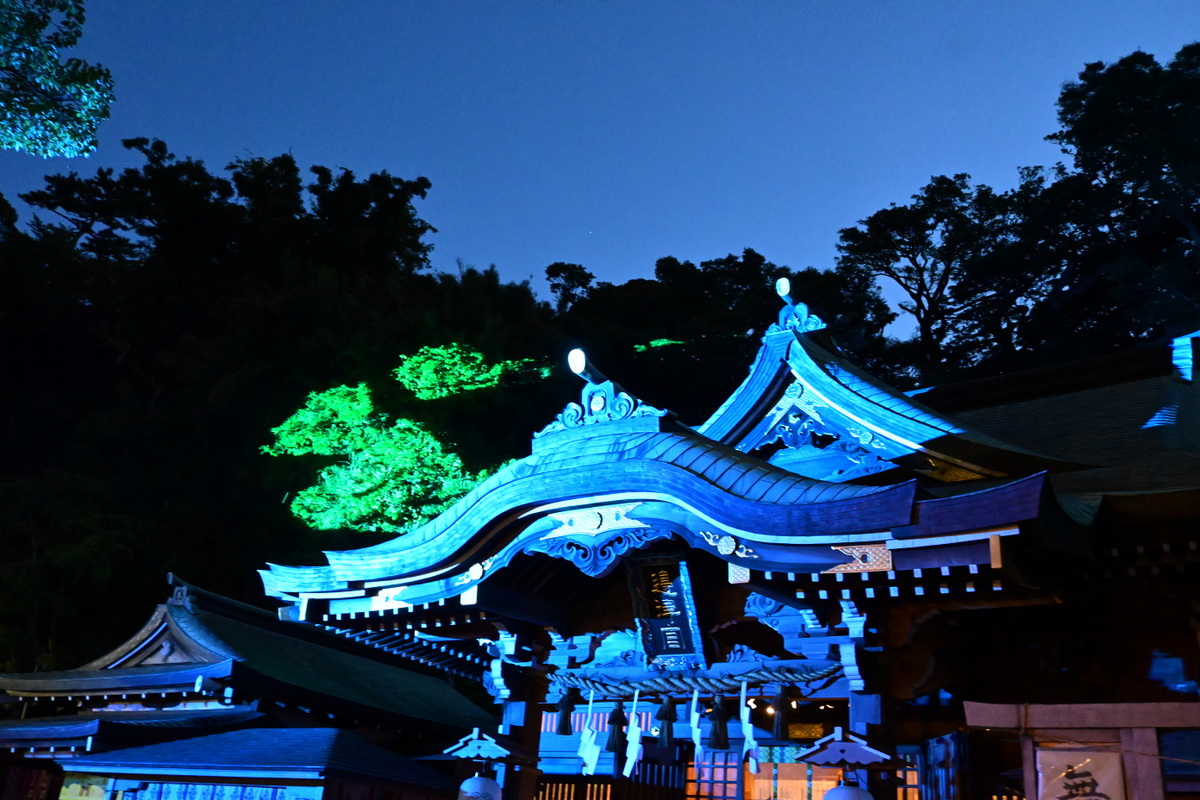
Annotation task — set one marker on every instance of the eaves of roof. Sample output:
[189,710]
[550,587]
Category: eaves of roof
[296,753]
[676,462]
[123,680]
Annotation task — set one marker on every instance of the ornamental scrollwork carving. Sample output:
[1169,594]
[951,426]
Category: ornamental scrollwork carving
[727,545]
[599,403]
[864,558]
[597,558]
[760,606]
[595,520]
[804,436]
[626,658]
[798,318]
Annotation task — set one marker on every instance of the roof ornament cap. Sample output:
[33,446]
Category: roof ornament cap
[794,314]
[577,360]
[601,401]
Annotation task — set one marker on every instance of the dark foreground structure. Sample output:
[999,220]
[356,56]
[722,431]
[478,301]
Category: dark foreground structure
[216,700]
[985,590]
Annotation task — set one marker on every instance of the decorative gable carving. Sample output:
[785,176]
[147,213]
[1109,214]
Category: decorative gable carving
[600,403]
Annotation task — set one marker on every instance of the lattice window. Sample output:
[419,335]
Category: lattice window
[781,777]
[717,776]
[908,779]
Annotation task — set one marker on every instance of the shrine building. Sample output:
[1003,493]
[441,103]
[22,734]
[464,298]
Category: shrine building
[982,591]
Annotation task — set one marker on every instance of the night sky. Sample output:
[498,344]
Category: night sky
[612,132]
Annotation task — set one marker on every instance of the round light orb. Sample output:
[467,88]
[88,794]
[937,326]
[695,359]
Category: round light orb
[783,287]
[577,361]
[848,791]
[478,788]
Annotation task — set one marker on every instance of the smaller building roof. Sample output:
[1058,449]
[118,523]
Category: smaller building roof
[199,646]
[124,724]
[267,752]
[843,749]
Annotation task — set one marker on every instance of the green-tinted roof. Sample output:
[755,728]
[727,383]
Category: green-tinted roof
[327,671]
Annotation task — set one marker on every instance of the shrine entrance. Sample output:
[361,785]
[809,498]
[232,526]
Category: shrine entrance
[781,777]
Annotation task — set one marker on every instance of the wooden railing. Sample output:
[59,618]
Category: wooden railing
[650,782]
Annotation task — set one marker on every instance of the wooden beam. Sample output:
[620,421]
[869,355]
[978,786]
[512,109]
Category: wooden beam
[1024,717]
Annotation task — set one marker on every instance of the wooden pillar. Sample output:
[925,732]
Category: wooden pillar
[529,734]
[1029,766]
[1143,768]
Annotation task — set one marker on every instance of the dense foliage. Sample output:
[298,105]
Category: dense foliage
[48,106]
[393,475]
[1106,247]
[160,322]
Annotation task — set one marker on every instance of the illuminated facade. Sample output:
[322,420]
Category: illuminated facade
[216,700]
[984,590]
[669,607]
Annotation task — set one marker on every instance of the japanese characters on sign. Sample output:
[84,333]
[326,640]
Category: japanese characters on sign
[666,612]
[1079,775]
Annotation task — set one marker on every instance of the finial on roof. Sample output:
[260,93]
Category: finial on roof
[783,288]
[577,360]
[794,314]
[600,401]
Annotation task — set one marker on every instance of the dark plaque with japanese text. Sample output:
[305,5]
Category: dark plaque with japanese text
[666,613]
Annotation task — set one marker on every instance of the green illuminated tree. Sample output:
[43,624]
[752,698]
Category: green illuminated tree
[48,107]
[442,371]
[394,476]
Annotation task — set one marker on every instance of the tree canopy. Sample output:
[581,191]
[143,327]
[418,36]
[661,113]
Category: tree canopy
[48,106]
[1105,248]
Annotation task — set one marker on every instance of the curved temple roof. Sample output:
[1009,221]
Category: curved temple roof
[599,465]
[613,474]
[795,377]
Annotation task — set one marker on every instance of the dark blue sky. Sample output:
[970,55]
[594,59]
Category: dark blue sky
[612,132]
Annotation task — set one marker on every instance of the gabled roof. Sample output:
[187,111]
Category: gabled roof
[675,463]
[231,651]
[798,388]
[100,730]
[1135,414]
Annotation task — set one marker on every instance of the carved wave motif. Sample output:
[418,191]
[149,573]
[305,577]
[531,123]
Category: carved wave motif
[800,320]
[597,558]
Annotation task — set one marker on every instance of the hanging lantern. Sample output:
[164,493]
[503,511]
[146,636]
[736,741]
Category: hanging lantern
[666,716]
[479,788]
[718,734]
[616,729]
[566,707]
[848,790]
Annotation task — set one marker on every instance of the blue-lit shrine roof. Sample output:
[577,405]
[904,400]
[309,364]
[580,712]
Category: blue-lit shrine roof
[720,483]
[793,376]
[642,476]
